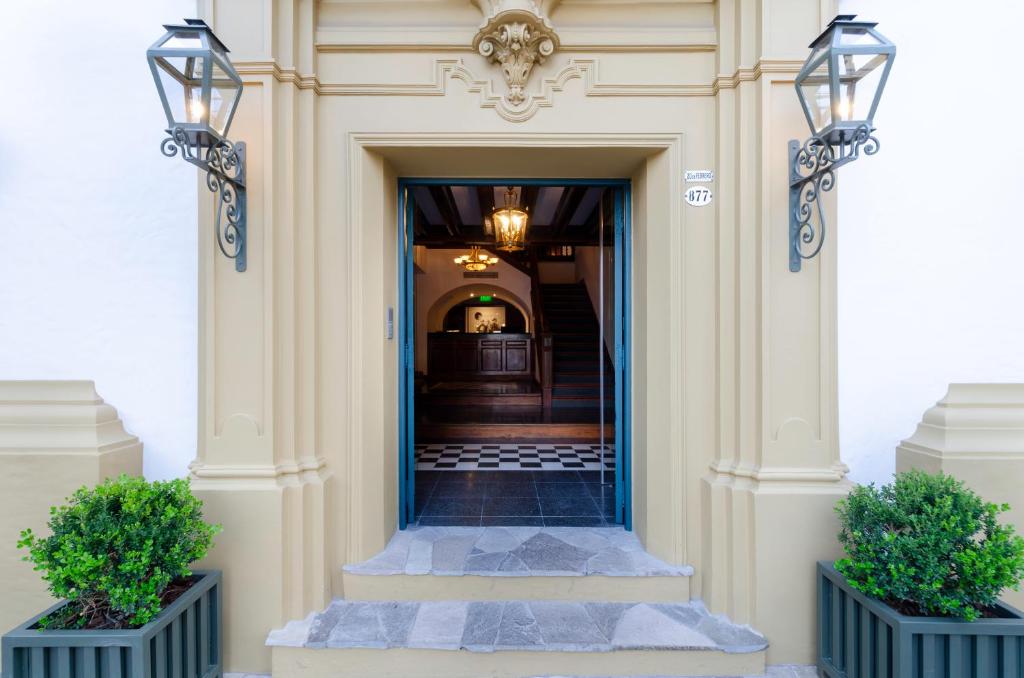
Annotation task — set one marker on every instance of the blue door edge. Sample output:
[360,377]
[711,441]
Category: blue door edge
[406,333]
[403,377]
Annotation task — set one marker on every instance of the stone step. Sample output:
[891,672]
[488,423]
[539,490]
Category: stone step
[498,563]
[463,639]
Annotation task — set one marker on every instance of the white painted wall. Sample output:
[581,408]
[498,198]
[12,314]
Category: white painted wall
[97,228]
[98,231]
[931,244]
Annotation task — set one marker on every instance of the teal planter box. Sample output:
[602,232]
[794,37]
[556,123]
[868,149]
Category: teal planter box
[184,641]
[860,637]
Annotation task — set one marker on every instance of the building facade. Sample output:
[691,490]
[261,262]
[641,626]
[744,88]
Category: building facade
[732,433]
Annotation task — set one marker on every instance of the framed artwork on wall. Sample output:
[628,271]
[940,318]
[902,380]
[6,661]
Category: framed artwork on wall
[482,319]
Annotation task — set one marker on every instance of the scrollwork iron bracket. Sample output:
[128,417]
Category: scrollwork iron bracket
[224,164]
[812,167]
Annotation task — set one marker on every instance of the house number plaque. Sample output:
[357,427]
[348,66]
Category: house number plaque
[698,196]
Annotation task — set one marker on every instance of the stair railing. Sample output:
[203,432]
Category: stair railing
[544,339]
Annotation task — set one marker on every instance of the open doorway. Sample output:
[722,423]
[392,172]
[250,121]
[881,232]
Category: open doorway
[514,323]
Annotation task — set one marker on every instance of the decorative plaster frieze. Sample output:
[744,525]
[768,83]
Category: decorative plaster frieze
[587,70]
[516,35]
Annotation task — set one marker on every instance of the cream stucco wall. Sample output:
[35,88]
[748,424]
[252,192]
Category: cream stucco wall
[734,431]
[120,305]
[734,442]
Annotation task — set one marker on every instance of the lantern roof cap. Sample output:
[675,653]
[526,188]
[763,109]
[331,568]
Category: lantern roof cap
[197,24]
[841,21]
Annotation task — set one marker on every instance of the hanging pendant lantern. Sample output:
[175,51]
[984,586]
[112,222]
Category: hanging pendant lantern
[510,224]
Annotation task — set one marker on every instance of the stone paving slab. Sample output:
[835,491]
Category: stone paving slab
[772,672]
[518,625]
[517,552]
[780,671]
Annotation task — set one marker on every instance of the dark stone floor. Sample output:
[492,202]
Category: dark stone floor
[532,498]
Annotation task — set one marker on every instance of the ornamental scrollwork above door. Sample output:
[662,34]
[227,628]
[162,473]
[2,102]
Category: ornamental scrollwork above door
[515,35]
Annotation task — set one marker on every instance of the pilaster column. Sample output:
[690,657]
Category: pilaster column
[975,433]
[55,436]
[258,469]
[769,494]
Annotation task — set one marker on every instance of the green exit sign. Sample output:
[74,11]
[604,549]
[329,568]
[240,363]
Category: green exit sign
[486,297]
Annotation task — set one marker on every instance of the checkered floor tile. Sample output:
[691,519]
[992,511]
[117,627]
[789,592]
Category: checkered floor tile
[513,457]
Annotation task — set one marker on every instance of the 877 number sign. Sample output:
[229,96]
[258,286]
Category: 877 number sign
[698,196]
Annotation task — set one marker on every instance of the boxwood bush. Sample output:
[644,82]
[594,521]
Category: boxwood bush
[928,546]
[113,550]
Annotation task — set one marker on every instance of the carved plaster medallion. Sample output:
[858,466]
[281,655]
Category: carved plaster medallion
[516,35]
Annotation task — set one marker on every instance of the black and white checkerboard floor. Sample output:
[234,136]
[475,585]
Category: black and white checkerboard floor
[513,457]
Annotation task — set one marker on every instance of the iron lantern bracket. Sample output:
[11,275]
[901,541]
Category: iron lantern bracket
[224,164]
[812,167]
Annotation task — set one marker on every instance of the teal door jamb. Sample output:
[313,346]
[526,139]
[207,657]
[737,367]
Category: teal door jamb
[624,415]
[620,351]
[406,362]
[405,334]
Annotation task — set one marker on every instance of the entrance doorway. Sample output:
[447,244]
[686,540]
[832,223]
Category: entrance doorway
[514,395]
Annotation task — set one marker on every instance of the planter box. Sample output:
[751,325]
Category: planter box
[860,637]
[184,641]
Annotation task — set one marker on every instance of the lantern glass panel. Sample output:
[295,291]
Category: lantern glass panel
[195,108]
[183,40]
[859,76]
[223,94]
[859,36]
[182,82]
[817,96]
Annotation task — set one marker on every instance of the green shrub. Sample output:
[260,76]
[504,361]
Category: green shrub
[115,549]
[928,546]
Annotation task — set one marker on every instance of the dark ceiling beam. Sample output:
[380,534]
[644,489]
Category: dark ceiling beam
[528,198]
[485,196]
[445,201]
[593,223]
[421,224]
[567,206]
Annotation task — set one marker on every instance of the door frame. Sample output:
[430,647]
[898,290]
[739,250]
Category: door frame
[406,321]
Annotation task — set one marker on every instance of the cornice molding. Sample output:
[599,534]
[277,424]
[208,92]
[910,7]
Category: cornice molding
[572,39]
[754,73]
[588,70]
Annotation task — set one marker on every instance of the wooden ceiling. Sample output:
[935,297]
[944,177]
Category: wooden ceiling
[454,215]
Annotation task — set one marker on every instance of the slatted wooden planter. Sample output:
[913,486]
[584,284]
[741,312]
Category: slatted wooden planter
[184,641]
[860,637]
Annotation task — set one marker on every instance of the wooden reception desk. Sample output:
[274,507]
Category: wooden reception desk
[459,355]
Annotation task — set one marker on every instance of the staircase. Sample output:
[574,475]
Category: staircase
[577,350]
[512,602]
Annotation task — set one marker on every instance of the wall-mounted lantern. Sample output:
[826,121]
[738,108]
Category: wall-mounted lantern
[199,90]
[839,87]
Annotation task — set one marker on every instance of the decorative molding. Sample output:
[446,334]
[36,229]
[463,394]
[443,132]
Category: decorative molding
[516,35]
[590,40]
[754,73]
[454,69]
[971,422]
